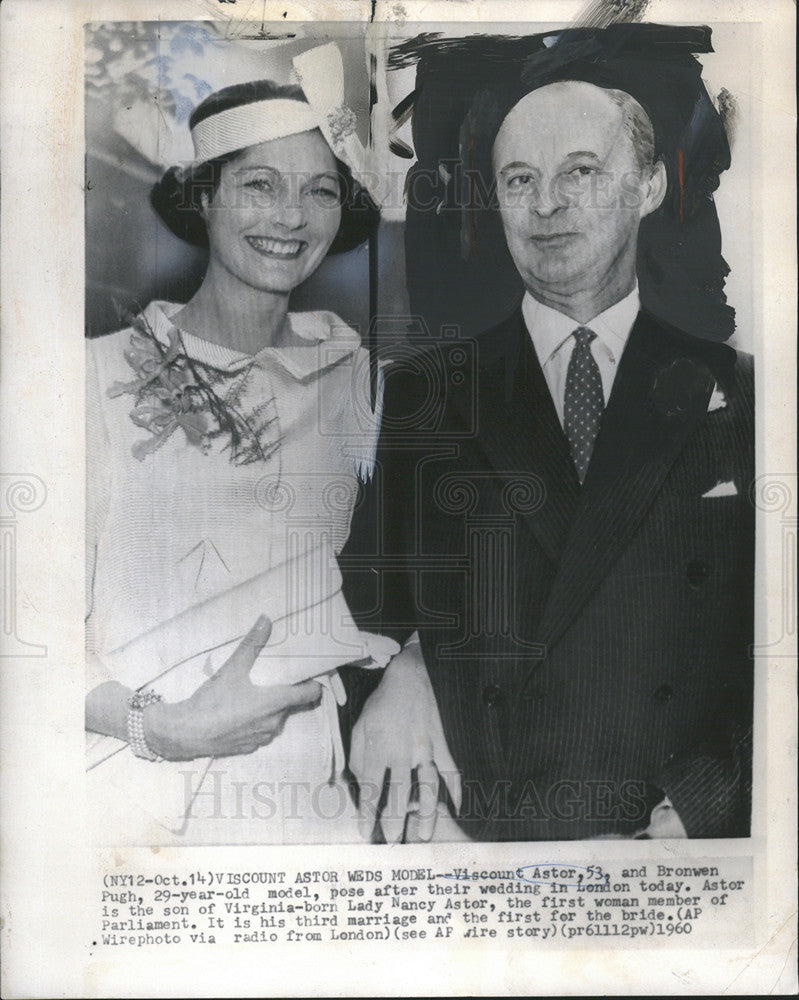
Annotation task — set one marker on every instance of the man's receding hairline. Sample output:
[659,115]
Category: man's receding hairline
[636,123]
[635,120]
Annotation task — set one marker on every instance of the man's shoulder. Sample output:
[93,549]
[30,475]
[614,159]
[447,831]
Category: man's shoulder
[444,353]
[732,368]
[506,335]
[443,369]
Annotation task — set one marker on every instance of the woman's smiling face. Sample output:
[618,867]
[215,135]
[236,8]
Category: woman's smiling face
[275,213]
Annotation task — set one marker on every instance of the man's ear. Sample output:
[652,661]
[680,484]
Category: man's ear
[655,190]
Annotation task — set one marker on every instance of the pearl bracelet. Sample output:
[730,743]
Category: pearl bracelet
[138,701]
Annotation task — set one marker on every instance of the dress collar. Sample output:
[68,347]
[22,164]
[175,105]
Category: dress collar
[329,341]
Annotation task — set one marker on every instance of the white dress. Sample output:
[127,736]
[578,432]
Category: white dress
[189,539]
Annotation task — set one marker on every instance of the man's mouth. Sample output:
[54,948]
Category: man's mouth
[277,249]
[549,238]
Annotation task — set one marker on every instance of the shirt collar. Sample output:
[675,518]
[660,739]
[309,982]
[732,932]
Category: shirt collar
[550,329]
[330,341]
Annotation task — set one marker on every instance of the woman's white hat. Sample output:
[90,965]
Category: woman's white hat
[321,76]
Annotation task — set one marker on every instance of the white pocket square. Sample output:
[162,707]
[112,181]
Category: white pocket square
[722,490]
[717,400]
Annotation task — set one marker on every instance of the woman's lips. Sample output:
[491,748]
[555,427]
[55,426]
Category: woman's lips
[276,248]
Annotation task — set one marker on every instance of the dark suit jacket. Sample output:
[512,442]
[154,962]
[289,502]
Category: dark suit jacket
[588,646]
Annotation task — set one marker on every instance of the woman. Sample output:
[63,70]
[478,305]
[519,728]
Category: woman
[217,502]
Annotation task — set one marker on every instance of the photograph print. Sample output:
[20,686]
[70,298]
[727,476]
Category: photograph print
[420,436]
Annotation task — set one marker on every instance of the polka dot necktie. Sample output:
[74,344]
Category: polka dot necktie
[583,400]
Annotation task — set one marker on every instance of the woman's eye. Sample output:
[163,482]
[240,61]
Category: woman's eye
[260,183]
[325,194]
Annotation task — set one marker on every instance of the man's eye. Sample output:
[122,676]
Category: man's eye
[520,181]
[582,171]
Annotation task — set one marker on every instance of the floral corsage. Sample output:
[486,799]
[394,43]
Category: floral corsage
[174,391]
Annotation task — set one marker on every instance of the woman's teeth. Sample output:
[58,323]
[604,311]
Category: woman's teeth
[285,249]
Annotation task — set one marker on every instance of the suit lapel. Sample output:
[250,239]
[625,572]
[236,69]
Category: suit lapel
[520,435]
[660,394]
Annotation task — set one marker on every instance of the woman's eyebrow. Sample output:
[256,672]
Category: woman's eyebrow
[329,174]
[252,168]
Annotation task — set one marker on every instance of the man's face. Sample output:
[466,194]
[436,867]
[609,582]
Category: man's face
[570,191]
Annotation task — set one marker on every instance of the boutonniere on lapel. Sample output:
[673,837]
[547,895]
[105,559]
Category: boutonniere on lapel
[681,389]
[173,391]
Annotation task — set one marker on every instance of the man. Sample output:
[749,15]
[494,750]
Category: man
[570,532]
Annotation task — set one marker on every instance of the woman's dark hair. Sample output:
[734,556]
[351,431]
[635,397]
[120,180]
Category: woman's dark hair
[177,197]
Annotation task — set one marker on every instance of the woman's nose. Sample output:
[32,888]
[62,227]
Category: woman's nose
[289,213]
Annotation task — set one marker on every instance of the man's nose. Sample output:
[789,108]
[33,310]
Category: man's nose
[548,199]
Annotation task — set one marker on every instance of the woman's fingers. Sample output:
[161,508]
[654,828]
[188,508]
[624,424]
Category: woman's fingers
[301,695]
[274,700]
[246,653]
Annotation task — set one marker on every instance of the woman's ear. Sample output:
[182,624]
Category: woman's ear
[205,201]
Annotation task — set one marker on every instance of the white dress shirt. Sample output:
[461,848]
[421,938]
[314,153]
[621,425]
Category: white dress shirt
[551,332]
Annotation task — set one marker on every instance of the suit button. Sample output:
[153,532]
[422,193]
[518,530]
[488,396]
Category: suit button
[663,693]
[697,572]
[493,696]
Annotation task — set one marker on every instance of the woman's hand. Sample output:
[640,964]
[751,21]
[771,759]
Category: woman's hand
[228,714]
[400,730]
